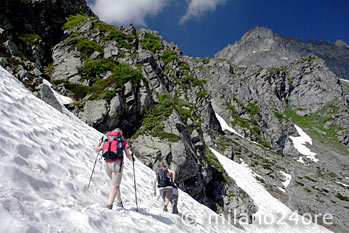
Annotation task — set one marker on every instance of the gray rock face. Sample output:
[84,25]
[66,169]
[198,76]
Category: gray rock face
[111,50]
[94,112]
[11,47]
[47,95]
[35,27]
[261,46]
[66,62]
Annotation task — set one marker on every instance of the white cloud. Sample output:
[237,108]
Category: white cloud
[124,12]
[197,8]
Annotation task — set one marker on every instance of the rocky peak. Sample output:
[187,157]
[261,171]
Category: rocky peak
[341,43]
[261,46]
[258,33]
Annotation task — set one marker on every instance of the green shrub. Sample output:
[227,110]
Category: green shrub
[202,94]
[213,161]
[185,66]
[58,81]
[252,109]
[108,94]
[104,27]
[121,38]
[279,116]
[28,38]
[265,143]
[92,69]
[274,70]
[74,20]
[168,56]
[151,42]
[85,46]
[152,121]
[123,72]
[78,91]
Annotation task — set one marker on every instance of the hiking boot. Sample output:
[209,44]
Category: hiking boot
[110,207]
[119,204]
[165,208]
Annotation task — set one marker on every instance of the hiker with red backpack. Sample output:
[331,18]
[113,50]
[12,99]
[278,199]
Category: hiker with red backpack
[113,148]
[165,179]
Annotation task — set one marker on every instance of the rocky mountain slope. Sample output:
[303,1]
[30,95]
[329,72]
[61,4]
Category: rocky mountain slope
[261,46]
[170,105]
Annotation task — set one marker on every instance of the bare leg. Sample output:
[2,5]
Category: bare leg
[112,194]
[166,200]
[118,194]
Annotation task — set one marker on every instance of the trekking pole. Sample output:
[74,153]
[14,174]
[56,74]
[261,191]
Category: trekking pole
[93,168]
[134,179]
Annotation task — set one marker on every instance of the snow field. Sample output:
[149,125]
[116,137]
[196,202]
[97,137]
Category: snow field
[46,162]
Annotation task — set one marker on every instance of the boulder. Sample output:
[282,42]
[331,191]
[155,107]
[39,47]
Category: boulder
[47,95]
[94,112]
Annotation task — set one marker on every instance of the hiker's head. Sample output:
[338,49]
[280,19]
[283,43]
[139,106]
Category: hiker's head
[161,165]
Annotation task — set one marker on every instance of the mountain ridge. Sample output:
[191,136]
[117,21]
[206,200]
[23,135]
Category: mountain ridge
[261,46]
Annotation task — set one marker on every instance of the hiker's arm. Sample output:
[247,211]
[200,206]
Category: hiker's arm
[173,175]
[128,154]
[154,186]
[99,146]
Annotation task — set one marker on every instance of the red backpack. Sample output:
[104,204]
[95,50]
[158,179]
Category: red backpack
[113,147]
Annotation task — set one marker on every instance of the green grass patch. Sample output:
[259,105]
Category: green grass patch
[123,72]
[151,42]
[28,38]
[314,125]
[345,84]
[168,56]
[94,70]
[85,46]
[252,109]
[279,116]
[202,94]
[74,20]
[185,66]
[152,120]
[98,87]
[274,70]
[49,69]
[113,33]
[104,27]
[250,124]
[213,161]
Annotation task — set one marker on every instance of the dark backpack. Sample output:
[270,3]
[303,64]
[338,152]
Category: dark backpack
[163,179]
[113,147]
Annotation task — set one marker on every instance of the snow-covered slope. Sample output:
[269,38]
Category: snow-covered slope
[272,215]
[46,162]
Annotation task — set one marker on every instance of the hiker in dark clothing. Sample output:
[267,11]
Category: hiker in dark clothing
[164,183]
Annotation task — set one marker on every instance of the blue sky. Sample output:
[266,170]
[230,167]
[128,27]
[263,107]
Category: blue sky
[203,27]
